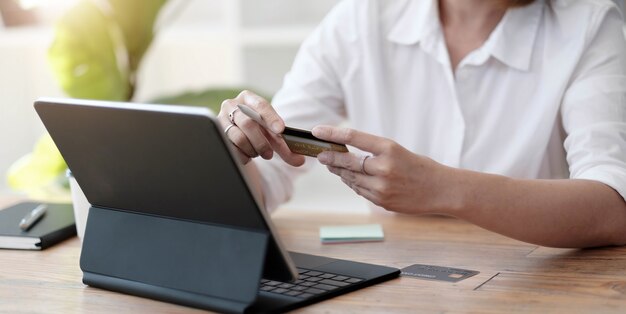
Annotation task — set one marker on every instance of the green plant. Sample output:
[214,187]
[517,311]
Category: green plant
[96,54]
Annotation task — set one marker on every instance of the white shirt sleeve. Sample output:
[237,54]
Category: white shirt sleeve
[594,106]
[311,95]
[278,179]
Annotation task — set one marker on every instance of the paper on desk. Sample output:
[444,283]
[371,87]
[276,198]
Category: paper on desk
[351,233]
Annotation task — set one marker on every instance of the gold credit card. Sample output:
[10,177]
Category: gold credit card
[304,143]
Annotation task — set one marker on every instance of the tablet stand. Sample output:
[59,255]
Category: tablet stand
[192,263]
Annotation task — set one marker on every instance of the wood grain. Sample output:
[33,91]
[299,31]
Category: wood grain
[514,276]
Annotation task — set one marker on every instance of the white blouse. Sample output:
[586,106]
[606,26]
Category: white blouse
[543,98]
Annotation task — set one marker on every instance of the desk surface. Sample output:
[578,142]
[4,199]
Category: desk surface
[514,276]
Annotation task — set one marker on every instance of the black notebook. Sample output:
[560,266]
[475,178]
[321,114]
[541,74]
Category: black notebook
[56,225]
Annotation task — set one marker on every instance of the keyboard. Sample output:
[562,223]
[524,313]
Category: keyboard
[309,284]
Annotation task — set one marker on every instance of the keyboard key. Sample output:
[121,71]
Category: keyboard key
[305,295]
[354,280]
[293,293]
[308,284]
[314,290]
[334,283]
[324,287]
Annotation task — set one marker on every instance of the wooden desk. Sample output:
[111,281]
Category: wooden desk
[514,276]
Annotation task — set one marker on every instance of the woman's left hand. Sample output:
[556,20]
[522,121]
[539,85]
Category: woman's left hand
[391,177]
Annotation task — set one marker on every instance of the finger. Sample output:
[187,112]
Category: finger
[238,138]
[363,141]
[362,191]
[279,146]
[244,149]
[364,185]
[227,106]
[253,131]
[241,141]
[370,166]
[263,107]
[342,160]
[354,177]
[241,156]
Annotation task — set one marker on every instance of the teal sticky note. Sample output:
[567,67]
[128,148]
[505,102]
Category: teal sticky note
[351,233]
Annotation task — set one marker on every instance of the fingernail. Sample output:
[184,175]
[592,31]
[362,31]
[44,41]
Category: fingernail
[276,127]
[316,131]
[267,155]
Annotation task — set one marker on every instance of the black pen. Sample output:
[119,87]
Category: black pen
[33,217]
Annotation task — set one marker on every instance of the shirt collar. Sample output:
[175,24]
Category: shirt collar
[420,18]
[511,42]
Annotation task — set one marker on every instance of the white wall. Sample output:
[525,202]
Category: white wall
[24,76]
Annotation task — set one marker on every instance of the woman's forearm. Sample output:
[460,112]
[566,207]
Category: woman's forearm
[561,213]
[557,213]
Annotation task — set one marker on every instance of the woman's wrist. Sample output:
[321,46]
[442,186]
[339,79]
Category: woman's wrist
[471,191]
[451,191]
[462,191]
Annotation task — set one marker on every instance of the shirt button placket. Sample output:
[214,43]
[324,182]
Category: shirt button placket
[458,119]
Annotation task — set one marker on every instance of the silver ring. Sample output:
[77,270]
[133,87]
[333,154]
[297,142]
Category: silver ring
[231,115]
[363,158]
[228,128]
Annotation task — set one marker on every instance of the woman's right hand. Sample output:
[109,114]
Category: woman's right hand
[250,138]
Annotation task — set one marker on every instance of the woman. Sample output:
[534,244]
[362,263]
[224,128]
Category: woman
[508,114]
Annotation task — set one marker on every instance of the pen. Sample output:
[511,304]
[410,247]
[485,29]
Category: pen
[253,115]
[33,217]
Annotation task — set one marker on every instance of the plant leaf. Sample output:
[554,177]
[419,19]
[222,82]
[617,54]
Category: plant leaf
[83,55]
[40,168]
[136,20]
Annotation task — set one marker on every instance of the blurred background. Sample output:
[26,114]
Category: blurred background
[198,44]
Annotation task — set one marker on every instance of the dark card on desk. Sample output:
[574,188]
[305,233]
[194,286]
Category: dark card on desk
[303,142]
[440,273]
